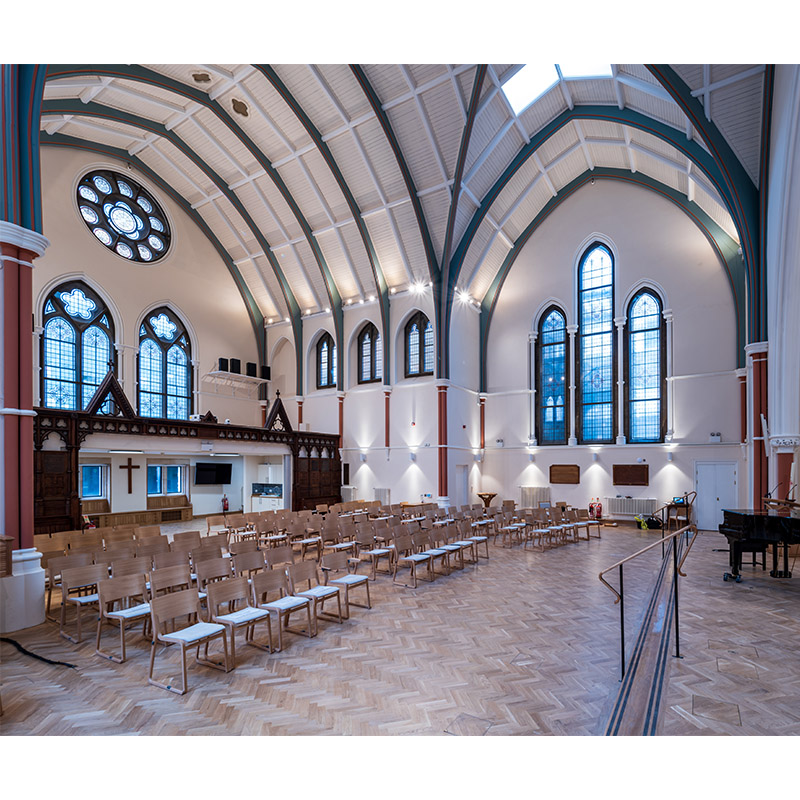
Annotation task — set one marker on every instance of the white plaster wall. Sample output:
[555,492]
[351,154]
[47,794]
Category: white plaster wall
[191,278]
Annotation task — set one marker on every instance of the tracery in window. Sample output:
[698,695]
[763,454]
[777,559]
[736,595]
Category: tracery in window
[165,367]
[596,352]
[326,362]
[370,354]
[123,216]
[552,383]
[77,349]
[645,368]
[419,352]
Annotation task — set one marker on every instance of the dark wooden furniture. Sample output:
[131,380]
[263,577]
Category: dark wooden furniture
[631,474]
[565,473]
[487,498]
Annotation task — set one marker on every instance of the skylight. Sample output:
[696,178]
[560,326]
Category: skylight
[533,80]
[530,83]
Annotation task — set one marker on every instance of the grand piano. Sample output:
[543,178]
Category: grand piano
[749,531]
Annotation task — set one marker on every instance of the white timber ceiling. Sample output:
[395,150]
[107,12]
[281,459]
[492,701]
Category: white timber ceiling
[285,183]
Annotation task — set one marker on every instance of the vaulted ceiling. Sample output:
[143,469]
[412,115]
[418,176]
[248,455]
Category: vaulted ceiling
[327,185]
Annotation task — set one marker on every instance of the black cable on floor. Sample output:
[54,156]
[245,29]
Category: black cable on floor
[34,655]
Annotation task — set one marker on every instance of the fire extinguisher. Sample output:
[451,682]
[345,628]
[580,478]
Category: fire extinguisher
[598,509]
[591,509]
[224,503]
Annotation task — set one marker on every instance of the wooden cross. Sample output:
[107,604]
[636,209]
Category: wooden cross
[129,466]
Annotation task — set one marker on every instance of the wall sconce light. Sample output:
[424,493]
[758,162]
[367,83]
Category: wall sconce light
[363,457]
[595,457]
[531,457]
[412,456]
[478,457]
[670,456]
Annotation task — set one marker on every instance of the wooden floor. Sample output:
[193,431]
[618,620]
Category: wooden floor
[526,643]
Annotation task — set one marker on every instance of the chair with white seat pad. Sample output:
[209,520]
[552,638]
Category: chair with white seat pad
[123,600]
[235,594]
[406,556]
[273,583]
[317,593]
[79,589]
[167,609]
[336,570]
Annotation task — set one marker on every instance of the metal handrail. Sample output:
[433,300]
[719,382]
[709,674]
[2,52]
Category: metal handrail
[619,595]
[644,550]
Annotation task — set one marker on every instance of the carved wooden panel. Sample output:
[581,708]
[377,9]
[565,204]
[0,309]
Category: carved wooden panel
[631,474]
[565,473]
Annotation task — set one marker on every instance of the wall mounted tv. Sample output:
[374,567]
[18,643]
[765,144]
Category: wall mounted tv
[208,474]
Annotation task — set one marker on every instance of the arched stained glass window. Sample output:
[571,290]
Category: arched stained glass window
[419,355]
[370,354]
[165,367]
[552,383]
[123,216]
[596,351]
[644,380]
[326,362]
[77,347]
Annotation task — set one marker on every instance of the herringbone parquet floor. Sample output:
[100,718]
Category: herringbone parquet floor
[526,643]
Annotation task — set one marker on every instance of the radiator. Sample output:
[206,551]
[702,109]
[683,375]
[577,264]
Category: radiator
[629,506]
[382,496]
[533,495]
[349,494]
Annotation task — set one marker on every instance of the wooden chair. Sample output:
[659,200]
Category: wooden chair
[146,531]
[424,544]
[236,596]
[214,569]
[147,548]
[446,537]
[279,557]
[83,581]
[171,558]
[317,593]
[274,584]
[167,609]
[204,553]
[367,551]
[268,532]
[55,565]
[87,541]
[115,552]
[118,603]
[583,515]
[170,579]
[117,536]
[465,540]
[187,536]
[244,546]
[216,523]
[336,570]
[124,567]
[405,555]
[248,563]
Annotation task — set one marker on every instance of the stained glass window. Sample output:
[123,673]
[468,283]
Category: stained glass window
[645,368]
[552,383]
[165,367]
[76,350]
[326,362]
[370,354]
[122,214]
[419,355]
[596,345]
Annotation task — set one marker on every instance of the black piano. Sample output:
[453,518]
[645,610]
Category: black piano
[749,531]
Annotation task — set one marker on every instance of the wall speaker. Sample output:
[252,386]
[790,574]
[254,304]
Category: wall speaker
[250,369]
[236,366]
[265,372]
[223,365]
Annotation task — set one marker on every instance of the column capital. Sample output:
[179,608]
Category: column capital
[572,329]
[23,238]
[620,321]
[784,444]
[667,314]
[341,395]
[387,390]
[756,347]
[741,373]
[533,336]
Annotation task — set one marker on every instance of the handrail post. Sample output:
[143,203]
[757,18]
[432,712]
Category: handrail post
[621,625]
[675,583]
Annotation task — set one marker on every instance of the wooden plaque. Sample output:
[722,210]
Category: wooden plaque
[565,473]
[631,474]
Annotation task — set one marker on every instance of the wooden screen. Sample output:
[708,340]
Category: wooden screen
[55,492]
[631,474]
[565,473]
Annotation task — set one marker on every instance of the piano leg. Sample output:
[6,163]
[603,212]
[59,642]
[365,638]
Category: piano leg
[735,562]
[780,573]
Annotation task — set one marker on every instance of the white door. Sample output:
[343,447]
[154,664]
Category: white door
[462,485]
[716,484]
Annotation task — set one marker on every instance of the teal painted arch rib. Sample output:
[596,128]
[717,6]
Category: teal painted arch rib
[700,157]
[377,272]
[144,75]
[253,311]
[726,248]
[741,193]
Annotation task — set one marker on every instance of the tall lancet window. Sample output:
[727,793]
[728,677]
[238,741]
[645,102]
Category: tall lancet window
[326,362]
[552,383]
[596,352]
[165,366]
[419,346]
[370,354]
[77,346]
[644,380]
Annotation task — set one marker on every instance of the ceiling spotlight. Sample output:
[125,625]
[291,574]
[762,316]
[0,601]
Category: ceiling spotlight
[392,290]
[592,181]
[286,319]
[349,301]
[371,298]
[269,321]
[327,311]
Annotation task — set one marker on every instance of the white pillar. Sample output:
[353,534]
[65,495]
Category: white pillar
[667,314]
[532,337]
[572,330]
[620,323]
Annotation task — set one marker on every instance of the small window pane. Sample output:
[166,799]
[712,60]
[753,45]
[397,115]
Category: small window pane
[91,481]
[413,350]
[378,354]
[153,480]
[429,347]
[174,480]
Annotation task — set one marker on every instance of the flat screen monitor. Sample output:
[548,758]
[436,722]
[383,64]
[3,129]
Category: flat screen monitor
[206,473]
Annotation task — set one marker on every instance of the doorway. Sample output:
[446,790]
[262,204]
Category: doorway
[717,487]
[462,485]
